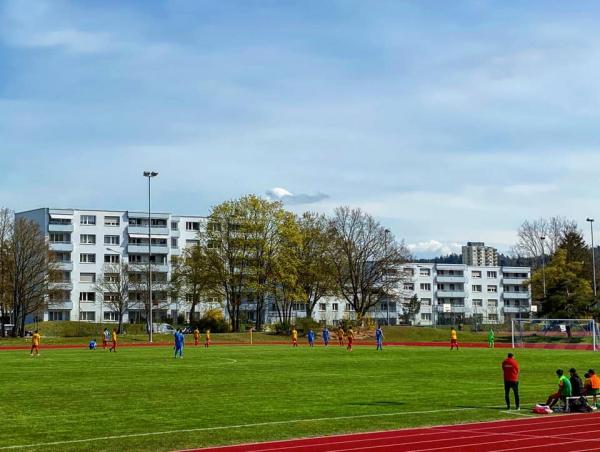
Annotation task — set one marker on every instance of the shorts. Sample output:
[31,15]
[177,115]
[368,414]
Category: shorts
[453,341]
[593,392]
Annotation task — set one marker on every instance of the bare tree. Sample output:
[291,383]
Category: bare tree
[30,271]
[138,294]
[114,285]
[6,226]
[530,243]
[366,260]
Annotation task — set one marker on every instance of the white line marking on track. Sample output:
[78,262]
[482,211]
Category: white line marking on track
[227,427]
[517,413]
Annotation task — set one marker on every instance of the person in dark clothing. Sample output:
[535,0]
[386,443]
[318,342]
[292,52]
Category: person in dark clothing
[576,384]
[510,368]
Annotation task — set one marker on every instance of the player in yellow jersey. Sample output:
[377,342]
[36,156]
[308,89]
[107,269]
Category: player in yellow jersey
[35,343]
[294,337]
[113,336]
[340,335]
[453,339]
[207,339]
[196,336]
[350,336]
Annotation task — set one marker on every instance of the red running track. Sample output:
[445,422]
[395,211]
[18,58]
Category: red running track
[567,432]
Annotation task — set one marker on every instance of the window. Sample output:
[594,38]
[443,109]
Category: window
[409,286]
[58,315]
[409,271]
[425,286]
[348,307]
[89,316]
[86,258]
[87,277]
[87,296]
[493,317]
[111,316]
[426,301]
[174,225]
[492,274]
[334,307]
[425,316]
[322,307]
[492,303]
[87,239]
[111,258]
[192,226]
[192,242]
[492,289]
[111,297]
[112,239]
[476,288]
[60,237]
[476,274]
[173,242]
[424,272]
[478,302]
[62,257]
[111,277]
[88,220]
[112,221]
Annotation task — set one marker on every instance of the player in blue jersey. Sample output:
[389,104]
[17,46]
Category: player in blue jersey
[379,338]
[311,338]
[179,340]
[325,336]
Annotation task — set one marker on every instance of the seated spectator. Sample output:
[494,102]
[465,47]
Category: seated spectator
[576,385]
[592,384]
[564,390]
[92,344]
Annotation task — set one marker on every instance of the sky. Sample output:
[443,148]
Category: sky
[447,121]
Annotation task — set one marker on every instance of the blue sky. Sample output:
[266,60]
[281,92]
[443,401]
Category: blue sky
[448,121]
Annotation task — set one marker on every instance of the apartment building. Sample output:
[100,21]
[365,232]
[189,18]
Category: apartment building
[86,242]
[476,254]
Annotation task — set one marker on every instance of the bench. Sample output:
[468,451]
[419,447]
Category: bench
[569,399]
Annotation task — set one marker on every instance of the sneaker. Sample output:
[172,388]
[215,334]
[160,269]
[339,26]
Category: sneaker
[517,409]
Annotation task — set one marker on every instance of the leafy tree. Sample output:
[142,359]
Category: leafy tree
[410,309]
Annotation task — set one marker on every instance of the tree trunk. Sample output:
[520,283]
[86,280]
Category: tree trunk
[120,327]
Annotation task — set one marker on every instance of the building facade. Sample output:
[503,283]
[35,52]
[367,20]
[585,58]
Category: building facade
[86,242]
[476,254]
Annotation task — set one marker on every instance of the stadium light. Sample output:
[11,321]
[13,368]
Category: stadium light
[387,233]
[591,221]
[150,175]
[542,238]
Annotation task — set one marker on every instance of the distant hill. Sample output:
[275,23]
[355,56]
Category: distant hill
[503,260]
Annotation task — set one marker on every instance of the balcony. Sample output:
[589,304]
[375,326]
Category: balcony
[61,285]
[143,230]
[450,279]
[143,267]
[515,309]
[143,249]
[516,295]
[63,305]
[61,246]
[458,309]
[60,228]
[450,294]
[64,265]
[514,281]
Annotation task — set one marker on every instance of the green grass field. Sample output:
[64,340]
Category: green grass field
[232,394]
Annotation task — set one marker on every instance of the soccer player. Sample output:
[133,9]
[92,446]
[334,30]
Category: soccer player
[453,339]
[350,336]
[325,336]
[379,337]
[491,338]
[510,368]
[113,336]
[36,339]
[196,336]
[294,337]
[311,338]
[564,390]
[105,338]
[179,340]
[207,339]
[340,335]
[92,344]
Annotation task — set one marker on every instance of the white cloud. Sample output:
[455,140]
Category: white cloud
[530,189]
[433,248]
[287,197]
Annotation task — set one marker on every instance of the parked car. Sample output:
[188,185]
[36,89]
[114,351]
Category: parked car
[163,328]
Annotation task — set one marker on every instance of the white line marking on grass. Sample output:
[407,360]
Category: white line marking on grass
[227,427]
[517,413]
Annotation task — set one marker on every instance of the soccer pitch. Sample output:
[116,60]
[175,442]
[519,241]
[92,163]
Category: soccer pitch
[144,399]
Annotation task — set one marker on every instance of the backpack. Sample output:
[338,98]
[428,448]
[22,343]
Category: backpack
[580,405]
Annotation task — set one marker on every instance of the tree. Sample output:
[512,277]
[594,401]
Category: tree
[192,278]
[410,309]
[30,271]
[138,296]
[366,261]
[6,226]
[316,270]
[553,230]
[568,294]
[115,285]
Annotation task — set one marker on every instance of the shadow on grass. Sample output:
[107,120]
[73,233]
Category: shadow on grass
[378,403]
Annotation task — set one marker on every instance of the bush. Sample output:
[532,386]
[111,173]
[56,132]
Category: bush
[306,324]
[212,320]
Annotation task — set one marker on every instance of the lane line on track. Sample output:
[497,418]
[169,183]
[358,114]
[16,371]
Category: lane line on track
[227,427]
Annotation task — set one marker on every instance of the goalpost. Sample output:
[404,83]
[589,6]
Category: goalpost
[554,331]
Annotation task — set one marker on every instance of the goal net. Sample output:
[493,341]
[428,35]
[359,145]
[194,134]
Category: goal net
[554,331]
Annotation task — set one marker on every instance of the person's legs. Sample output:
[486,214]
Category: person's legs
[516,391]
[552,399]
[507,394]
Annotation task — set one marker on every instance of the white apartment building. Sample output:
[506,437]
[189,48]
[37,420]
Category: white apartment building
[477,254]
[84,241]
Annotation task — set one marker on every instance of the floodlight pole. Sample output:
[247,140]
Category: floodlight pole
[591,221]
[150,175]
[386,233]
[542,238]
[512,332]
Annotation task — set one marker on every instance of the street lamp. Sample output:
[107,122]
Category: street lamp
[150,175]
[386,234]
[591,220]
[542,238]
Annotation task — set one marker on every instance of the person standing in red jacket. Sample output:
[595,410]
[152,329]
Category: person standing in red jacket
[510,367]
